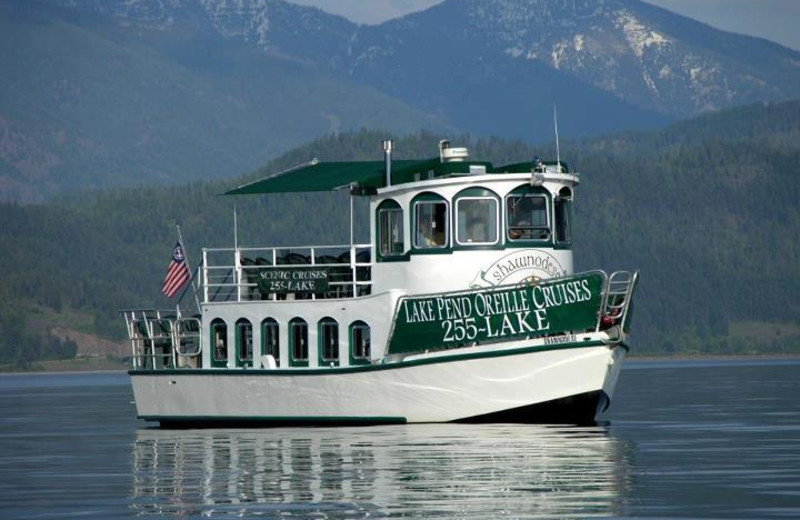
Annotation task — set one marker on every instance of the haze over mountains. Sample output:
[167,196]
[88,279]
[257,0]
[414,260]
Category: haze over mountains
[118,92]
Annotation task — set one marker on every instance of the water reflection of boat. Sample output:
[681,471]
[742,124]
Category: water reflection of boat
[425,471]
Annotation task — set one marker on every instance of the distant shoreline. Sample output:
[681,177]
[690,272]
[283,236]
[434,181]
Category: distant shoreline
[715,357]
[630,359]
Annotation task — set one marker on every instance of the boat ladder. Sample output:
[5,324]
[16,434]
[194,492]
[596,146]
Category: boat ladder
[615,310]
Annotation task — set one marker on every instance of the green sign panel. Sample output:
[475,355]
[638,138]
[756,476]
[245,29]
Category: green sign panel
[504,313]
[296,279]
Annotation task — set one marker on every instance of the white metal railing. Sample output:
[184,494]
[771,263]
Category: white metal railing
[231,274]
[163,339]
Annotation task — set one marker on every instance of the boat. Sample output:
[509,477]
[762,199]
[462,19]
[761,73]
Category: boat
[462,307]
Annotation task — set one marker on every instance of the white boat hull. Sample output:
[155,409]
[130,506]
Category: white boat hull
[571,381]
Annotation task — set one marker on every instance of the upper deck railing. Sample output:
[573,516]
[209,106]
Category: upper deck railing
[232,274]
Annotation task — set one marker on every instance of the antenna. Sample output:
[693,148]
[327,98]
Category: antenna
[558,151]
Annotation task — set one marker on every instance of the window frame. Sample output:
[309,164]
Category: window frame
[217,325]
[457,219]
[360,359]
[429,199]
[294,324]
[243,323]
[529,192]
[332,325]
[564,197]
[394,213]
[266,348]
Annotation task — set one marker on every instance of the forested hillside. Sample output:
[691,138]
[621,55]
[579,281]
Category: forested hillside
[707,209]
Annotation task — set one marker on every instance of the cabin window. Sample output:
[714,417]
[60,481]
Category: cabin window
[360,342]
[219,341]
[527,216]
[270,342]
[244,342]
[329,341]
[298,340]
[476,221]
[430,224]
[563,211]
[390,229]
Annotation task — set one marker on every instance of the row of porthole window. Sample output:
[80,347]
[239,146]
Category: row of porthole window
[327,336]
[529,217]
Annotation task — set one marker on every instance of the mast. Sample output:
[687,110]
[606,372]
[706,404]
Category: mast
[558,151]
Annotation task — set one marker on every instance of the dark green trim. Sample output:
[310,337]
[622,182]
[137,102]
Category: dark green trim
[400,258]
[433,251]
[404,258]
[489,247]
[372,367]
[211,420]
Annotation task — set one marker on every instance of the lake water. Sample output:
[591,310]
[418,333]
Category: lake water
[686,439]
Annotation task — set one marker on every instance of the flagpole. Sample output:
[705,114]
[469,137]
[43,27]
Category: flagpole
[186,259]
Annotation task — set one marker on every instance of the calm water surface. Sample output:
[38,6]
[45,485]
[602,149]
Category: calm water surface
[699,440]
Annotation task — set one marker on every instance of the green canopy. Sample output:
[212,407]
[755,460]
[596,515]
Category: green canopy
[319,176]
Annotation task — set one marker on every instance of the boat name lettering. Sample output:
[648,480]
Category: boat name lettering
[550,307]
[293,279]
[557,340]
[518,266]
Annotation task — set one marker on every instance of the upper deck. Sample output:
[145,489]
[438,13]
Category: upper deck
[425,217]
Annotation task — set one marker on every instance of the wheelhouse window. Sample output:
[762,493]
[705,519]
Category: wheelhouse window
[244,341]
[390,229]
[219,342]
[360,349]
[329,341]
[270,340]
[476,220]
[298,339]
[527,215]
[563,211]
[430,224]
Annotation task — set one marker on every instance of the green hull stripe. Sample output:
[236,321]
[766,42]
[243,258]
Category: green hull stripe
[365,368]
[188,419]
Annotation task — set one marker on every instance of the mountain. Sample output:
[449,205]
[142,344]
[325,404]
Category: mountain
[90,101]
[115,92]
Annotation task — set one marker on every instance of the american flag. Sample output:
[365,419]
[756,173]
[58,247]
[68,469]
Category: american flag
[177,272]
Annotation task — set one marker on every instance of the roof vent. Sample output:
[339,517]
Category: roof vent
[448,154]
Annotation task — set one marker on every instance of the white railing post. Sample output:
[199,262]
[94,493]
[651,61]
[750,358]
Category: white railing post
[205,276]
[238,274]
[353,269]
[313,262]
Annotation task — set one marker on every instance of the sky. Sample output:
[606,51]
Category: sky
[776,20]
